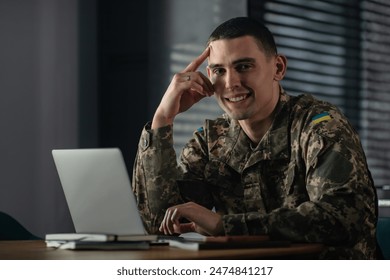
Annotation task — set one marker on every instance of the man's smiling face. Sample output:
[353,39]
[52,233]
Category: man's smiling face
[243,78]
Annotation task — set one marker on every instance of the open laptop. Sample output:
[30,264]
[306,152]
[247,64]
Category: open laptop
[98,191]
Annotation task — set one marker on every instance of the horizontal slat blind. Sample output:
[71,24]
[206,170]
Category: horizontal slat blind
[321,42]
[339,51]
[376,87]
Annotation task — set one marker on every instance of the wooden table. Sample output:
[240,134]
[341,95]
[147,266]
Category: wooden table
[37,250]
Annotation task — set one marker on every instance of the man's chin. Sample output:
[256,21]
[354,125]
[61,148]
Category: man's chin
[237,116]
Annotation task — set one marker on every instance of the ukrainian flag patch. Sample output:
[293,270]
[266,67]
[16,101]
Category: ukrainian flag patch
[321,117]
[200,129]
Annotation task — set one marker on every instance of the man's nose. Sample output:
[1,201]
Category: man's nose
[232,80]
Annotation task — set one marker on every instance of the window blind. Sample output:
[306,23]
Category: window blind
[375,87]
[321,42]
[338,50]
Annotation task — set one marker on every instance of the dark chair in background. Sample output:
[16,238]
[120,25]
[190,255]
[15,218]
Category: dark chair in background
[11,229]
[383,236]
[383,226]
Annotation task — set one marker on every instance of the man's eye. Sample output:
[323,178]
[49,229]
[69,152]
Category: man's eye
[218,71]
[242,67]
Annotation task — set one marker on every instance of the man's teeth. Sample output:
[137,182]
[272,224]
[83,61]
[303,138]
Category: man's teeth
[237,99]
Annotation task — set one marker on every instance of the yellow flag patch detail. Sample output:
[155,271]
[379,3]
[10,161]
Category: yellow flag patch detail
[320,118]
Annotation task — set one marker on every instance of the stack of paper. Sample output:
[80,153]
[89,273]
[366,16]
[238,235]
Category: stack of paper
[98,241]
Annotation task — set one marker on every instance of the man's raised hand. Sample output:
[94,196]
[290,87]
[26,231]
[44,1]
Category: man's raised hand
[186,88]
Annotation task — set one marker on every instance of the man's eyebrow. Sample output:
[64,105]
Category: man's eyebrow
[238,61]
[244,60]
[214,65]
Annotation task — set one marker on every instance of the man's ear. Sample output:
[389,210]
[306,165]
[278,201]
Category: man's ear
[208,72]
[281,67]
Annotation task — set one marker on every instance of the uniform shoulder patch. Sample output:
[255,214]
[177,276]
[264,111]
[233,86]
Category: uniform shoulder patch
[200,129]
[321,117]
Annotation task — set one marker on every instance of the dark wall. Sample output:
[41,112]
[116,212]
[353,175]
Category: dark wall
[122,63]
[38,108]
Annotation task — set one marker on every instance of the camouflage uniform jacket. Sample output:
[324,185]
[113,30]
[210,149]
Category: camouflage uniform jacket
[306,181]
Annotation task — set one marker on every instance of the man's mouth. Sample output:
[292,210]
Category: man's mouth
[238,98]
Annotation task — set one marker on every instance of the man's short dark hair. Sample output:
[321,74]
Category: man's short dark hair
[245,26]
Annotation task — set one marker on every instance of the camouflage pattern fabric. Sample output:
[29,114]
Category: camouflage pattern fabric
[306,181]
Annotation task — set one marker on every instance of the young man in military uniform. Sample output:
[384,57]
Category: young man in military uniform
[289,167]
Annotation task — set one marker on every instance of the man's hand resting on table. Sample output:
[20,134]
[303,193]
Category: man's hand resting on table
[202,220]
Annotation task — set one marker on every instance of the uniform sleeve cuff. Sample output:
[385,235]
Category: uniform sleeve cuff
[234,224]
[245,224]
[156,138]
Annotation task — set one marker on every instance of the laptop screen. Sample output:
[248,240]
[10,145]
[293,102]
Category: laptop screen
[98,191]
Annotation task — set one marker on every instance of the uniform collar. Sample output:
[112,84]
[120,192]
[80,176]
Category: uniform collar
[276,141]
[273,146]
